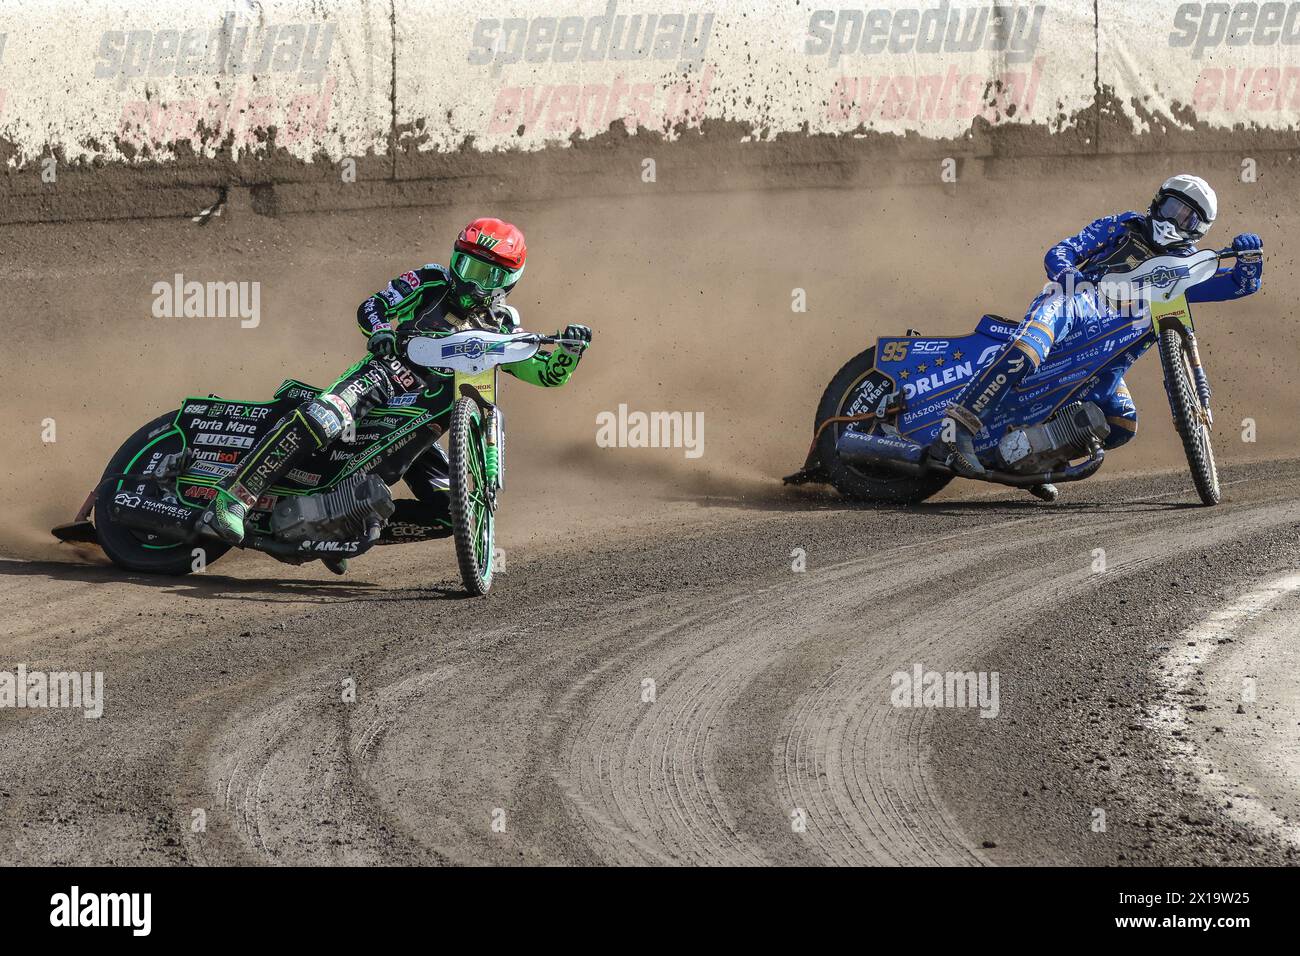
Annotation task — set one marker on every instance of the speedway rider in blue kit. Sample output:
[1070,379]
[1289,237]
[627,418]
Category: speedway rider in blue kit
[1181,213]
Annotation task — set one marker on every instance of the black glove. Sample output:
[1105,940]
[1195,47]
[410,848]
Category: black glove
[579,339]
[382,344]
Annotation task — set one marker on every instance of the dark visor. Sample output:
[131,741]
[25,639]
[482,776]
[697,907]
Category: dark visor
[1180,212]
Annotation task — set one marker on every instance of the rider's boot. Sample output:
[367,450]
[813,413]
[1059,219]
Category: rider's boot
[305,429]
[957,439]
[223,519]
[982,398]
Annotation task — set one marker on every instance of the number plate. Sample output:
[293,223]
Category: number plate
[485,381]
[1176,309]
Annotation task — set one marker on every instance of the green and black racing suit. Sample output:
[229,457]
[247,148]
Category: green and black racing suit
[416,302]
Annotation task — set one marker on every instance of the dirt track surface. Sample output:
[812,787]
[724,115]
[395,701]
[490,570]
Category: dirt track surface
[772,694]
[771,687]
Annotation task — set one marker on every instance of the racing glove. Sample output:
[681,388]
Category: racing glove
[1245,274]
[382,344]
[580,337]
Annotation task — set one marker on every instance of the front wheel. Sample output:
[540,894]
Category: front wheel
[471,505]
[1189,418]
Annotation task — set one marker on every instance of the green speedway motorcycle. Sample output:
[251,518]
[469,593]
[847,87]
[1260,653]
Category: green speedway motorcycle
[337,502]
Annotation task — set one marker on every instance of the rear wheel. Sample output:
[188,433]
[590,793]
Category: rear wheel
[472,520]
[856,389]
[143,550]
[1189,418]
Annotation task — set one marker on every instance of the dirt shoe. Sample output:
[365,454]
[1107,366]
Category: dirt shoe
[223,519]
[337,565]
[957,441]
[1044,492]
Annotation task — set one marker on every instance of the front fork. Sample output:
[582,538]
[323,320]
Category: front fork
[494,433]
[494,428]
[1199,377]
[494,447]
[1177,314]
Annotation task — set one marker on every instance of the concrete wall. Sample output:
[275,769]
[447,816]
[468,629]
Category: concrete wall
[135,108]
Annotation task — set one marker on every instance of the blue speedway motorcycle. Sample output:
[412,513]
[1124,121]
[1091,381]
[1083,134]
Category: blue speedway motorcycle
[875,436]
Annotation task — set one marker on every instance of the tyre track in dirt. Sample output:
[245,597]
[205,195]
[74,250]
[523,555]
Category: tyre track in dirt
[864,761]
[526,710]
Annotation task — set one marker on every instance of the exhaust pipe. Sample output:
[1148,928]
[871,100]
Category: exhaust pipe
[174,522]
[909,458]
[884,451]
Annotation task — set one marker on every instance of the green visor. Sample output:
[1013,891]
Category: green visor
[487,276]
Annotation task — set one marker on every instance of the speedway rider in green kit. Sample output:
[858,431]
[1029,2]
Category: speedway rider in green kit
[486,263]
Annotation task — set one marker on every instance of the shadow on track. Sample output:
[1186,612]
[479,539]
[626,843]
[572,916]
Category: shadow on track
[224,588]
[792,501]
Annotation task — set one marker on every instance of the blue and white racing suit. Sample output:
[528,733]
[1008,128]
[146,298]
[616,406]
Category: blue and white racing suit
[1112,243]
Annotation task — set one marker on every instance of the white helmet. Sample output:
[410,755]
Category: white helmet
[1183,210]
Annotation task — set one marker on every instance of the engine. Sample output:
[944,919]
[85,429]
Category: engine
[348,513]
[1071,433]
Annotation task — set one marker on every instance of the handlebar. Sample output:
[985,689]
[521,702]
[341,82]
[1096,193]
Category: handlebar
[1231,253]
[556,339]
[532,338]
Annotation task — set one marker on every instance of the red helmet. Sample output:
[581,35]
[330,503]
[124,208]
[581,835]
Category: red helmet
[487,261]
